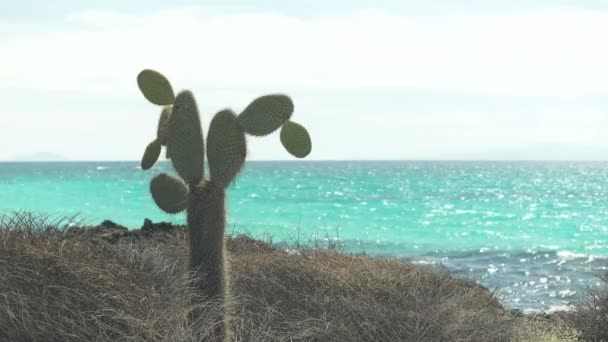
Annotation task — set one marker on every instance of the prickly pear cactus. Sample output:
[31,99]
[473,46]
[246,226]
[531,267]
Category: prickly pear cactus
[179,130]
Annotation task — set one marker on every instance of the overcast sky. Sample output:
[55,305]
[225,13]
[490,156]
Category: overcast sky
[376,79]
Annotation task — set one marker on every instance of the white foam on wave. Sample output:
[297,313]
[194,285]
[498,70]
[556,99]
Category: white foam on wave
[424,262]
[558,307]
[567,255]
[548,310]
[567,293]
[528,216]
[463,211]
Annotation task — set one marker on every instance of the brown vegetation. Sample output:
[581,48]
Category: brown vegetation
[590,316]
[110,284]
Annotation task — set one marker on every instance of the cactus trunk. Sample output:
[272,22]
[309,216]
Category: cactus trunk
[206,226]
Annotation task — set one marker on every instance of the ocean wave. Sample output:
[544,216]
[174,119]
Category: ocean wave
[548,309]
[548,252]
[567,255]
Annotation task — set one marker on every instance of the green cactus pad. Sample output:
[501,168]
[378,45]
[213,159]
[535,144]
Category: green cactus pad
[226,148]
[162,133]
[169,193]
[185,141]
[150,155]
[266,114]
[155,87]
[295,139]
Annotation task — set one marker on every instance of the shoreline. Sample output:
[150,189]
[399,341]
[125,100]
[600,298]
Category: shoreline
[112,232]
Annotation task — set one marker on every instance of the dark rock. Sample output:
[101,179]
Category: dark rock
[107,224]
[516,313]
[161,227]
[74,231]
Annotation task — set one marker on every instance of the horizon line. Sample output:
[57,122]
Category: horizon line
[319,160]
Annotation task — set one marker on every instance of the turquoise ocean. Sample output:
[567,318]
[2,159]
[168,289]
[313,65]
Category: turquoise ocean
[537,232]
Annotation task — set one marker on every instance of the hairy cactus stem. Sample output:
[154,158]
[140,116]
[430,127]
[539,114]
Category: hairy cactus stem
[206,216]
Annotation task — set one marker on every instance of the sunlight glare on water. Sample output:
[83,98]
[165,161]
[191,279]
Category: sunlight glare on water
[536,230]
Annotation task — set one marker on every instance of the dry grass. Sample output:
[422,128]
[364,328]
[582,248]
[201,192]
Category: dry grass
[334,297]
[59,288]
[538,329]
[591,315]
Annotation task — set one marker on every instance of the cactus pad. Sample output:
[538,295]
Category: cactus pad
[185,141]
[150,155]
[295,139]
[226,148]
[266,114]
[155,87]
[169,193]
[162,134]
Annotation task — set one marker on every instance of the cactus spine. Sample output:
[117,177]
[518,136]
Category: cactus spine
[204,199]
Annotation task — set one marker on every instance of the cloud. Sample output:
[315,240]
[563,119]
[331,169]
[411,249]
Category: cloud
[361,80]
[546,51]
